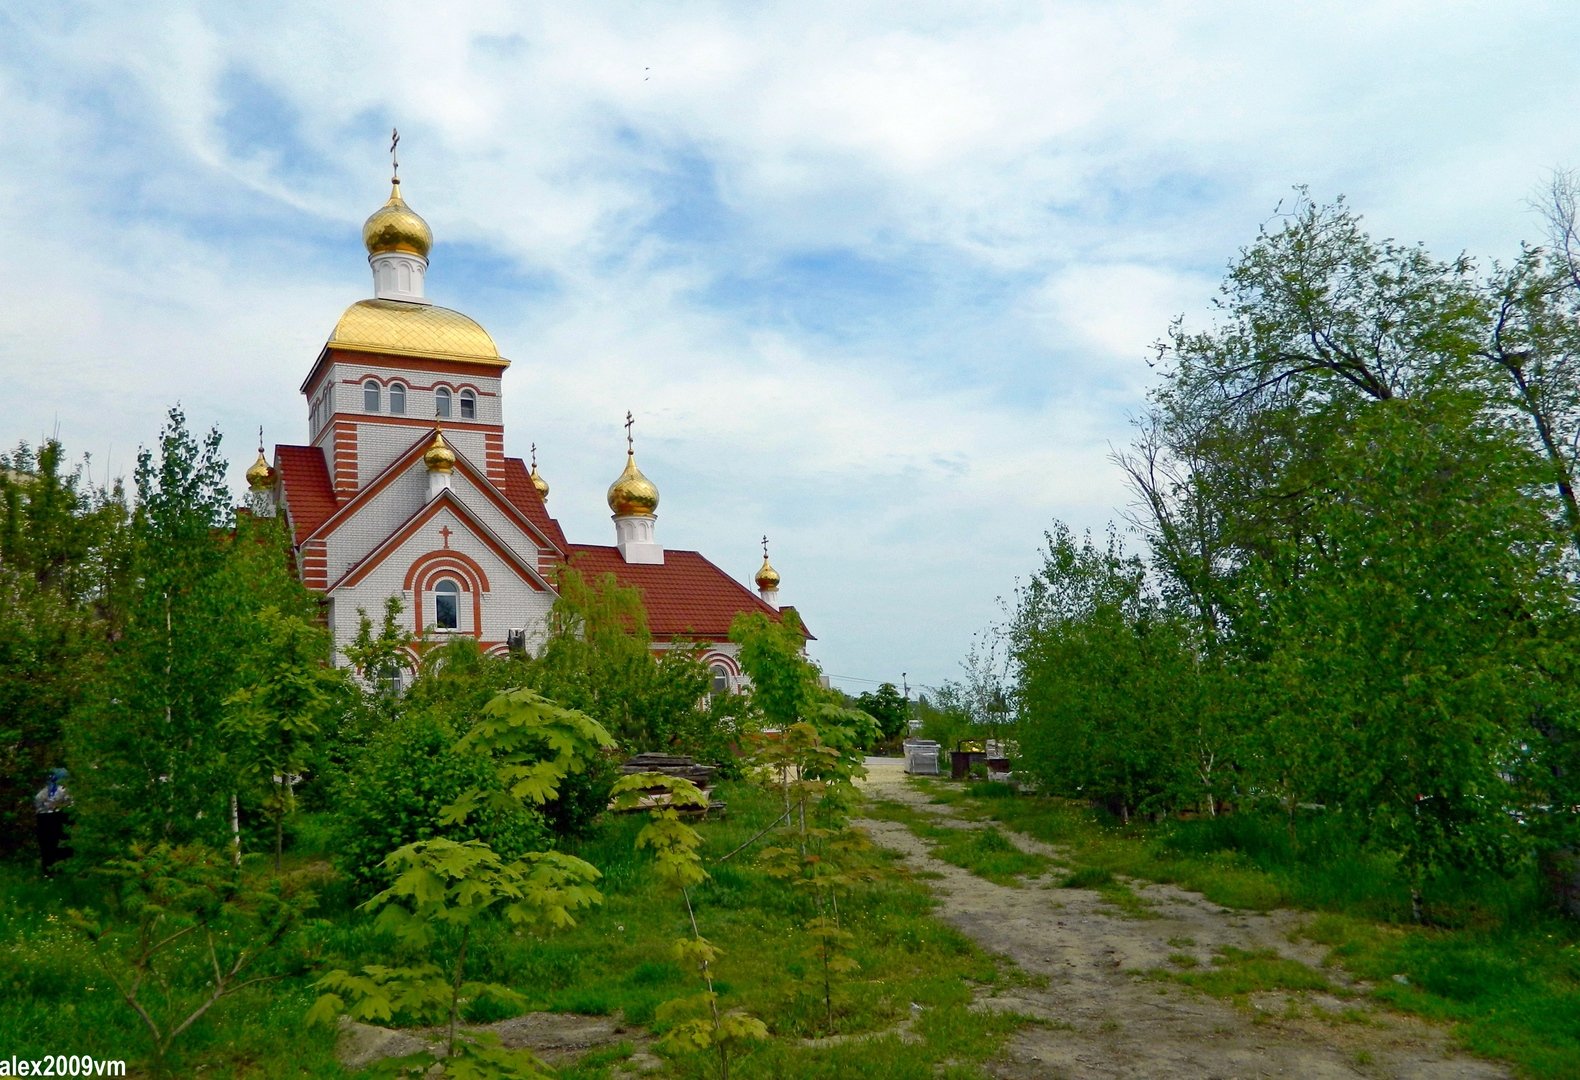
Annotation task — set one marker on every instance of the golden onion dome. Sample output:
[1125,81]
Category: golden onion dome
[259,476]
[398,328]
[767,577]
[439,458]
[538,482]
[397,227]
[632,494]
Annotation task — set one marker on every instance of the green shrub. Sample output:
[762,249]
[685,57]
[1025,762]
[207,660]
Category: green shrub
[398,785]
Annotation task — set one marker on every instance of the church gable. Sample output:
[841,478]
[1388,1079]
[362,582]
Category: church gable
[453,575]
[365,521]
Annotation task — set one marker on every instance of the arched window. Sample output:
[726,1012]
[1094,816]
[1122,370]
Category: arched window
[441,403]
[397,399]
[370,395]
[468,405]
[721,680]
[446,604]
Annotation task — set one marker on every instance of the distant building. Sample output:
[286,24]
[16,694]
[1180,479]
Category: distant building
[404,487]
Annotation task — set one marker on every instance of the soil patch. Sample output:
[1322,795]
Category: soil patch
[1102,1016]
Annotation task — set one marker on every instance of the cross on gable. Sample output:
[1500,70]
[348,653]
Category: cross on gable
[446,534]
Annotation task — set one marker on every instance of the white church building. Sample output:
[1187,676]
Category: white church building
[404,487]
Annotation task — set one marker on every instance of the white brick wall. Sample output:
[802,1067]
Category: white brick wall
[509,602]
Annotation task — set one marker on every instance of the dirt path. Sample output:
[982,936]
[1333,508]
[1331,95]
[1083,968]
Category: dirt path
[1100,1019]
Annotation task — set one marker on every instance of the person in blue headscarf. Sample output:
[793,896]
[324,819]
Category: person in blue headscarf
[51,806]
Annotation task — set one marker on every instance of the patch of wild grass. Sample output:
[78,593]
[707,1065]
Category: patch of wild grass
[1111,889]
[54,995]
[624,960]
[1240,972]
[987,853]
[1513,991]
[618,959]
[1495,962]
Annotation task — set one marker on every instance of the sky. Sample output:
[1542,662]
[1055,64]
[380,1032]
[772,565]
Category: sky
[877,280]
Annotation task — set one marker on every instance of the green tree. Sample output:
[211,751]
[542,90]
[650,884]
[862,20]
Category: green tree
[274,722]
[1407,666]
[788,688]
[61,567]
[889,709]
[1359,484]
[599,659]
[441,885]
[1106,672]
[185,933]
[148,752]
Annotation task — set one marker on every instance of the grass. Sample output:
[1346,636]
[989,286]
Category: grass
[1497,964]
[1238,973]
[1111,889]
[618,959]
[55,998]
[985,852]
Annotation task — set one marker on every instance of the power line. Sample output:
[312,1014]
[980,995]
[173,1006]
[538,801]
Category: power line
[853,678]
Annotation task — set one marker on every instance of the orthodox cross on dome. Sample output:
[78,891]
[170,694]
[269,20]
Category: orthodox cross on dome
[446,533]
[630,444]
[394,160]
[260,438]
[534,457]
[765,547]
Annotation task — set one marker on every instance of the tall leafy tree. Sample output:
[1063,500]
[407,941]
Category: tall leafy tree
[1407,666]
[61,566]
[599,658]
[1359,482]
[1107,694]
[888,708]
[149,754]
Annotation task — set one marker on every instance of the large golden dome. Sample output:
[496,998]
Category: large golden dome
[404,329]
[397,227]
[632,494]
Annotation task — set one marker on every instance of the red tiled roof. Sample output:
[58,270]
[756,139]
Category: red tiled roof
[309,495]
[523,495]
[686,596]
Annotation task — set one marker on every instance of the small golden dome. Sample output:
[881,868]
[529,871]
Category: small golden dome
[632,494]
[397,227]
[538,482]
[259,476]
[439,458]
[767,577]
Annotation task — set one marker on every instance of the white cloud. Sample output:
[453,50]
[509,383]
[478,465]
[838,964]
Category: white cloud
[1048,184]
